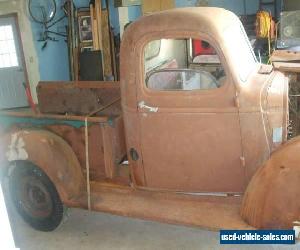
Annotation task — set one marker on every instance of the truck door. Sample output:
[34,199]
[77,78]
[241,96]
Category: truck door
[189,124]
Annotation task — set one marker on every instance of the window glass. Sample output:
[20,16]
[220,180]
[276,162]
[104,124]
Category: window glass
[8,55]
[182,64]
[241,51]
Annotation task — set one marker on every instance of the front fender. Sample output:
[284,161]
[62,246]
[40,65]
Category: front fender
[272,198]
[49,152]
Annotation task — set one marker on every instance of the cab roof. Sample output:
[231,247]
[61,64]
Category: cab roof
[209,20]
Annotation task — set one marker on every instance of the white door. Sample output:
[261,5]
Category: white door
[12,76]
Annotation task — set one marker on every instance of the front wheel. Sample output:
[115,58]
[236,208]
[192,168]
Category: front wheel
[35,197]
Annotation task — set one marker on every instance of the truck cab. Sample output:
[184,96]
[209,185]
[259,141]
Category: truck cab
[198,123]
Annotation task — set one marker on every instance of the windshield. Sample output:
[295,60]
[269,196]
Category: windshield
[241,51]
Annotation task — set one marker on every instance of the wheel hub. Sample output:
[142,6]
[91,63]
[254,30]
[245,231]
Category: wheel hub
[35,198]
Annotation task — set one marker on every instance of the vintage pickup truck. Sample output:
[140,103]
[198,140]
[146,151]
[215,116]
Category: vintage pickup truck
[189,135]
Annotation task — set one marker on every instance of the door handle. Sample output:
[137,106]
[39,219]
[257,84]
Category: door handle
[142,105]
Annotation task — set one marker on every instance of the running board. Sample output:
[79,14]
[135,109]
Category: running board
[209,212]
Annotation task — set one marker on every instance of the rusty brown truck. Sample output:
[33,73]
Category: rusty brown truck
[194,133]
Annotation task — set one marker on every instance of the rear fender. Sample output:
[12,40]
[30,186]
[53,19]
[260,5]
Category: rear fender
[272,198]
[50,153]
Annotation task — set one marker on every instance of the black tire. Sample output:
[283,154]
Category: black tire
[35,197]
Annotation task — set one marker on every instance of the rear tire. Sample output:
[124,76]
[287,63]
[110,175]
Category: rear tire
[35,197]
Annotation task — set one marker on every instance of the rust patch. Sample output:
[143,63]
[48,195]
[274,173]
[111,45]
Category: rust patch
[75,138]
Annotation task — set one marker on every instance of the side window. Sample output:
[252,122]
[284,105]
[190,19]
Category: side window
[182,64]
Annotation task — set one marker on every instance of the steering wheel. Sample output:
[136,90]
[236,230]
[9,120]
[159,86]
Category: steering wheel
[218,73]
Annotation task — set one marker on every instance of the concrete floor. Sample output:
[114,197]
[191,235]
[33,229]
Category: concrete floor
[91,230]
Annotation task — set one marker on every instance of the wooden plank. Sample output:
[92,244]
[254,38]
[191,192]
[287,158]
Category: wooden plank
[70,98]
[76,64]
[285,56]
[112,43]
[166,4]
[98,12]
[150,6]
[156,5]
[96,41]
[94,29]
[106,46]
[70,40]
[287,67]
[73,37]
[113,51]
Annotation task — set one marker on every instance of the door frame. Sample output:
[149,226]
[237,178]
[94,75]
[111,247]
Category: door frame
[20,43]
[147,93]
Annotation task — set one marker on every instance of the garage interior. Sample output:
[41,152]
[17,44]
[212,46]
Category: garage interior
[138,124]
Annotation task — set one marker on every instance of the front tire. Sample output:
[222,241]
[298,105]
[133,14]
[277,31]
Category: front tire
[35,197]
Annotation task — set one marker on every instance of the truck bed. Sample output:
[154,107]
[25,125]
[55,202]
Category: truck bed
[106,142]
